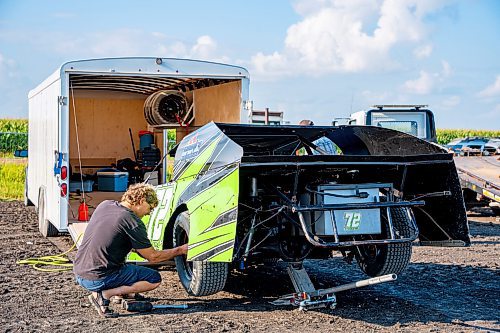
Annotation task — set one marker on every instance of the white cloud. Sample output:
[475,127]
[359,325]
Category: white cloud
[175,49]
[447,71]
[423,51]
[204,48]
[493,114]
[427,82]
[7,69]
[422,85]
[352,36]
[376,97]
[129,42]
[274,64]
[117,43]
[158,34]
[493,90]
[451,102]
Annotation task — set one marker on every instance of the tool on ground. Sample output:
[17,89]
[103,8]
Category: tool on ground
[307,297]
[144,306]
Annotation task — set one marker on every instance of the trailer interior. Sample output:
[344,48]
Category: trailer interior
[107,112]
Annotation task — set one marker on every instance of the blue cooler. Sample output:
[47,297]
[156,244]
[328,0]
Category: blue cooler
[112,181]
[77,185]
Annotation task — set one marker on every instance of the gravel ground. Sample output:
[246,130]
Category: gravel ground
[443,289]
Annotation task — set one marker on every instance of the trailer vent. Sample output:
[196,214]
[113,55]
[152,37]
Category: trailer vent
[168,107]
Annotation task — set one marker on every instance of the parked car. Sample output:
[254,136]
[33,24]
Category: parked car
[473,146]
[493,145]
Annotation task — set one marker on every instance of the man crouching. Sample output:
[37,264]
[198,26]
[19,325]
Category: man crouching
[115,229]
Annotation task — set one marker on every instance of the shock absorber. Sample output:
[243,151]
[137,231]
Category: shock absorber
[253,196]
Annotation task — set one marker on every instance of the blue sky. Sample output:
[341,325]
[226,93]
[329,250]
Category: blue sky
[316,59]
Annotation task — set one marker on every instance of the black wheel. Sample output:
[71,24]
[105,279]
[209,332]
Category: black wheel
[376,260]
[470,198]
[46,228]
[199,278]
[27,202]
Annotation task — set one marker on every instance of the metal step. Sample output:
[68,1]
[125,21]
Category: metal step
[76,230]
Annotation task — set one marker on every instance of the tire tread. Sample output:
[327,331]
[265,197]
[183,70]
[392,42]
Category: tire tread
[396,256]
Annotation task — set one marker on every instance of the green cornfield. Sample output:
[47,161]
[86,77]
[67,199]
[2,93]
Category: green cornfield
[13,136]
[14,125]
[446,135]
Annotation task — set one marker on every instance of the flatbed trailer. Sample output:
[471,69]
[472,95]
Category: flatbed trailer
[480,175]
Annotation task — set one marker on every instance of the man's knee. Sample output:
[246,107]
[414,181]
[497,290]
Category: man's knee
[154,278]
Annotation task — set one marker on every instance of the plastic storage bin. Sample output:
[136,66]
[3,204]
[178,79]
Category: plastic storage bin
[77,185]
[146,138]
[112,181]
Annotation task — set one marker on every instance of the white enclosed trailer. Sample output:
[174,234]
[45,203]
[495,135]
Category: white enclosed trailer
[82,116]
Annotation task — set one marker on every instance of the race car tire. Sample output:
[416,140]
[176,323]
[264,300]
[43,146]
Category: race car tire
[377,260]
[199,278]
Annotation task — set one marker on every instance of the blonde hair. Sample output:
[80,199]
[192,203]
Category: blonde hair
[136,192]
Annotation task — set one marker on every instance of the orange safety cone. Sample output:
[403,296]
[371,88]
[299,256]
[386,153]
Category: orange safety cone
[83,212]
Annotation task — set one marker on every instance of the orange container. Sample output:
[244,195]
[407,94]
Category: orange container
[83,212]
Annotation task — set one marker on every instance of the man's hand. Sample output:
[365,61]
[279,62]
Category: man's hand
[154,256]
[183,249]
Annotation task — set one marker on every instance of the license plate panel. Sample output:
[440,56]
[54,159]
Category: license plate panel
[356,222]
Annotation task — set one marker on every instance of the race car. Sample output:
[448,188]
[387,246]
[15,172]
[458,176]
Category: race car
[243,195]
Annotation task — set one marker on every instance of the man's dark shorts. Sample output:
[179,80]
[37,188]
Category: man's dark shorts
[126,276]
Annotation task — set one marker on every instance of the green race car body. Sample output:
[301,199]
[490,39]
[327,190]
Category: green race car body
[241,195]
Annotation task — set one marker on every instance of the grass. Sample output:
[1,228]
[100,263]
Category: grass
[12,181]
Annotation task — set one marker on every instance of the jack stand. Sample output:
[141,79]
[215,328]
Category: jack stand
[306,297]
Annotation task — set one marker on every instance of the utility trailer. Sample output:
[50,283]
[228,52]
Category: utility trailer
[83,116]
[480,179]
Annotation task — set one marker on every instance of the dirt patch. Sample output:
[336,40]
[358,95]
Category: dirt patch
[443,289]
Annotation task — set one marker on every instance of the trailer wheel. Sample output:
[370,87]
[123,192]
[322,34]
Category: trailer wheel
[27,202]
[376,260]
[199,278]
[46,228]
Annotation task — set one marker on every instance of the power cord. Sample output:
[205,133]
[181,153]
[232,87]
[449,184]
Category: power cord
[59,260]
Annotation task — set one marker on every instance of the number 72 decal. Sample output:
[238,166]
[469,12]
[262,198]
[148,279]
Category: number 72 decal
[352,220]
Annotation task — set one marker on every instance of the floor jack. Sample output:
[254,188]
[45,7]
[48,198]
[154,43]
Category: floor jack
[306,297]
[144,306]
